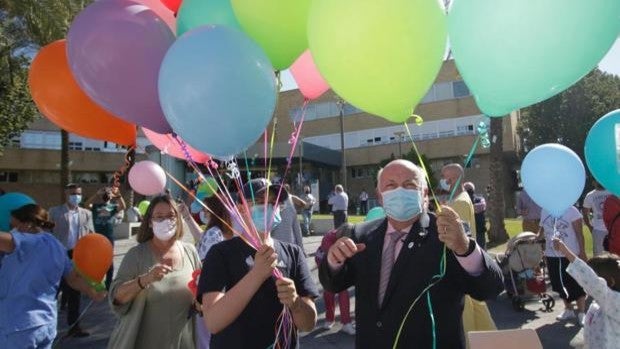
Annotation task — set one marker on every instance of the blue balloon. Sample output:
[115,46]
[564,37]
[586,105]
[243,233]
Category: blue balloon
[217,89]
[8,203]
[554,177]
[196,207]
[602,151]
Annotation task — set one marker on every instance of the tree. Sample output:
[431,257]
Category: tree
[412,156]
[567,117]
[46,21]
[497,230]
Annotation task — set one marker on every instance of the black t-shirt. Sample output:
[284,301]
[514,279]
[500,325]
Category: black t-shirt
[226,264]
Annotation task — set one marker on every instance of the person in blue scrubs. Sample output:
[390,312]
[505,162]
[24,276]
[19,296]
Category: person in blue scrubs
[33,264]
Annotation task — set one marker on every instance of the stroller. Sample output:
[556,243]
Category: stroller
[524,271]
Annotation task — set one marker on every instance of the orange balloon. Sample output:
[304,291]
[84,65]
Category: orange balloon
[92,256]
[62,101]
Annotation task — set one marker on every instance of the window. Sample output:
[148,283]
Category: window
[460,89]
[443,91]
[75,145]
[465,130]
[8,177]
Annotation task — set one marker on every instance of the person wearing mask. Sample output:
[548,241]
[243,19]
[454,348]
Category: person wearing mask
[241,300]
[392,261]
[529,211]
[306,212]
[363,202]
[340,205]
[105,206]
[452,178]
[289,229]
[593,204]
[480,207]
[30,275]
[72,222]
[150,292]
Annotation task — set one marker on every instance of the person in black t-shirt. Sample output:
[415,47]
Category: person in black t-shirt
[241,301]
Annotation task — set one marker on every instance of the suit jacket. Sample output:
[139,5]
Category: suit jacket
[60,216]
[416,265]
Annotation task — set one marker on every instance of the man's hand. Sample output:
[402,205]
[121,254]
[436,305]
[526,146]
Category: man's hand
[343,249]
[451,232]
[287,294]
[265,261]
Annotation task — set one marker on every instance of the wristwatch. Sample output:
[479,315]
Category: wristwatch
[470,249]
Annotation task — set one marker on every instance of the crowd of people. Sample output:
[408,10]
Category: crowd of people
[238,302]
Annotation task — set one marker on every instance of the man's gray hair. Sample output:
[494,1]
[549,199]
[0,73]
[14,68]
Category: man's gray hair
[339,187]
[419,171]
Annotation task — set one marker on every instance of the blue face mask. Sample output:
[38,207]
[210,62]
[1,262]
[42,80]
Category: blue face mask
[75,199]
[443,184]
[402,204]
[262,216]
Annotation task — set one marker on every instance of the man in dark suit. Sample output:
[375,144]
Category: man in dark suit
[393,261]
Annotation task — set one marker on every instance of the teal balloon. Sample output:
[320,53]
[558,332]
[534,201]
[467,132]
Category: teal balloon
[514,53]
[217,90]
[196,13]
[8,203]
[207,188]
[553,176]
[375,213]
[602,151]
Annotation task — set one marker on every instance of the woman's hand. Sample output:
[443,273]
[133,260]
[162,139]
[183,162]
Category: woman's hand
[156,273]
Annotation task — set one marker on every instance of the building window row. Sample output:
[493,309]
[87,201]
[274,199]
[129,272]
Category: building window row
[51,140]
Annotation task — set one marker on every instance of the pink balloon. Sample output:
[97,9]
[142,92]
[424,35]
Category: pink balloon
[147,178]
[162,11]
[167,144]
[310,82]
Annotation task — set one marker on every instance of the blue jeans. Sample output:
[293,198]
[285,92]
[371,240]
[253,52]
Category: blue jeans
[307,218]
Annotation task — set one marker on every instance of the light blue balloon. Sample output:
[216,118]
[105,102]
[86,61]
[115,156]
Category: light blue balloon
[375,213]
[554,177]
[196,207]
[602,151]
[196,13]
[217,89]
[8,203]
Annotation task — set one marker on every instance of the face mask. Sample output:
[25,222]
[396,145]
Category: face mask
[165,229]
[262,216]
[75,199]
[204,218]
[402,204]
[443,184]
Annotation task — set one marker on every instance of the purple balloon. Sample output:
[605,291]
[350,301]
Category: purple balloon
[115,49]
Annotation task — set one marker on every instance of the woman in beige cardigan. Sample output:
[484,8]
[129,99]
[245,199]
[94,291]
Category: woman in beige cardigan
[150,292]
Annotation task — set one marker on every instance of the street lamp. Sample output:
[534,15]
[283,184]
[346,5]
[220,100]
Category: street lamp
[400,135]
[343,169]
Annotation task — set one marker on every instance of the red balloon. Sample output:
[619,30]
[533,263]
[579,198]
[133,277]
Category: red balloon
[92,256]
[173,5]
[167,144]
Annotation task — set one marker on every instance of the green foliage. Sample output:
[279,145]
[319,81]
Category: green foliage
[567,117]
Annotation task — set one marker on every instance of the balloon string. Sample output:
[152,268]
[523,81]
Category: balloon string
[271,143]
[423,166]
[129,159]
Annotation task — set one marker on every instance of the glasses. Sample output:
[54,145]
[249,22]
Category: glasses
[161,219]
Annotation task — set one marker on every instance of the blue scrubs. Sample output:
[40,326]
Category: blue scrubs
[30,277]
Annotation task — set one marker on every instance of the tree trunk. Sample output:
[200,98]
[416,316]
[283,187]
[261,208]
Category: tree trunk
[65,172]
[497,231]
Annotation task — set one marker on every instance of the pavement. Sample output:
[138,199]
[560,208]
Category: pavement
[99,319]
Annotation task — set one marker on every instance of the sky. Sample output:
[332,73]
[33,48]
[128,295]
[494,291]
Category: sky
[610,64]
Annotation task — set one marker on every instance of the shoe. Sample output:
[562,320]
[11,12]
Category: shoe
[77,332]
[328,325]
[566,315]
[581,317]
[348,329]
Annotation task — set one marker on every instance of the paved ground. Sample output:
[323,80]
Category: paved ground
[99,320]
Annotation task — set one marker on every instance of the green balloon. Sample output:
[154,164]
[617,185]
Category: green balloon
[375,213]
[143,206]
[279,27]
[207,188]
[514,53]
[196,13]
[381,56]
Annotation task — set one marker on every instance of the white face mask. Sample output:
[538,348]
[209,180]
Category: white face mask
[165,229]
[204,217]
[443,184]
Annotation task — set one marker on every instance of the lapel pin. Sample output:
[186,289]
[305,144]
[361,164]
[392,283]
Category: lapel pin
[410,246]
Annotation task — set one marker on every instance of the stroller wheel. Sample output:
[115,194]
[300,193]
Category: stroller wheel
[518,304]
[548,302]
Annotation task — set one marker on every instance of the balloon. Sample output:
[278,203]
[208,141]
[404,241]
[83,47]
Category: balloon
[514,53]
[375,213]
[207,188]
[196,13]
[115,49]
[143,206]
[168,145]
[69,107]
[553,176]
[381,56]
[92,256]
[147,178]
[279,27]
[162,11]
[8,203]
[602,151]
[173,5]
[217,77]
[308,78]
